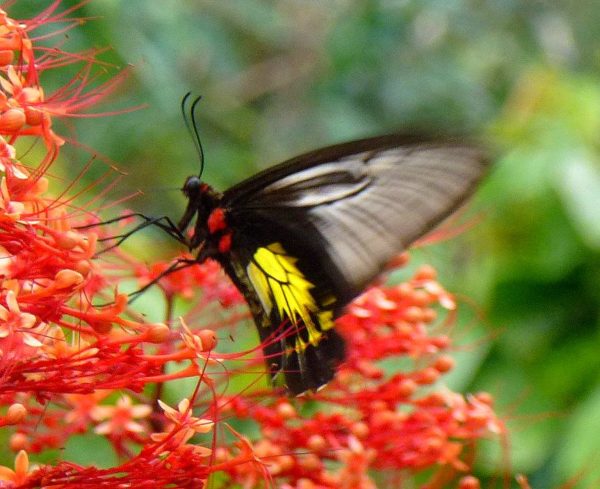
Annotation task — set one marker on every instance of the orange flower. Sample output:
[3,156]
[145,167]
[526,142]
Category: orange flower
[184,427]
[19,324]
[120,418]
[21,472]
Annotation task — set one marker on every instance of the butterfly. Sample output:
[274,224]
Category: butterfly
[300,240]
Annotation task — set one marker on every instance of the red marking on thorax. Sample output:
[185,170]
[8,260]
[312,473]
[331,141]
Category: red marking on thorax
[225,243]
[216,220]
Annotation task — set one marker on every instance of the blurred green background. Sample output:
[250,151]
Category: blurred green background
[282,77]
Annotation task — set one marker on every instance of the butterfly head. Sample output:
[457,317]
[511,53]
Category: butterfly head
[192,187]
[202,200]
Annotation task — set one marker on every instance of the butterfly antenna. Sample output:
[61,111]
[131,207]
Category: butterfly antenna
[184,111]
[189,117]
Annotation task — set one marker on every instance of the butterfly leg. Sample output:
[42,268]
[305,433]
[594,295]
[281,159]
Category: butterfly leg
[163,222]
[177,265]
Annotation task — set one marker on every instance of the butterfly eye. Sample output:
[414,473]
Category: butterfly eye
[191,186]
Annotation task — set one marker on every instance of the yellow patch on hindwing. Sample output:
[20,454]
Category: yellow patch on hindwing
[279,283]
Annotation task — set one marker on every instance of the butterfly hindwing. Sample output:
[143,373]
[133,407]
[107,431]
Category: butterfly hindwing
[293,308]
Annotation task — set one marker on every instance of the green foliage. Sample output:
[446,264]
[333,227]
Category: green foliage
[90,450]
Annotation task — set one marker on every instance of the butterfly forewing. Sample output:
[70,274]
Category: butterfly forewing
[358,210]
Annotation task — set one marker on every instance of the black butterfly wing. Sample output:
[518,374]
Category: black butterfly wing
[334,218]
[358,204]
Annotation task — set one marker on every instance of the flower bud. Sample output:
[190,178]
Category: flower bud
[444,363]
[426,272]
[12,120]
[286,410]
[18,441]
[6,57]
[208,339]
[469,482]
[359,429]
[33,116]
[101,327]
[407,387]
[66,278]
[67,240]
[83,267]
[316,443]
[16,413]
[157,333]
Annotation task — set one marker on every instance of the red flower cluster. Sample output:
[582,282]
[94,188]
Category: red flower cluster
[371,419]
[61,356]
[69,366]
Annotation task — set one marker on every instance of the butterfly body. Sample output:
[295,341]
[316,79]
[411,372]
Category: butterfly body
[302,239]
[291,320]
